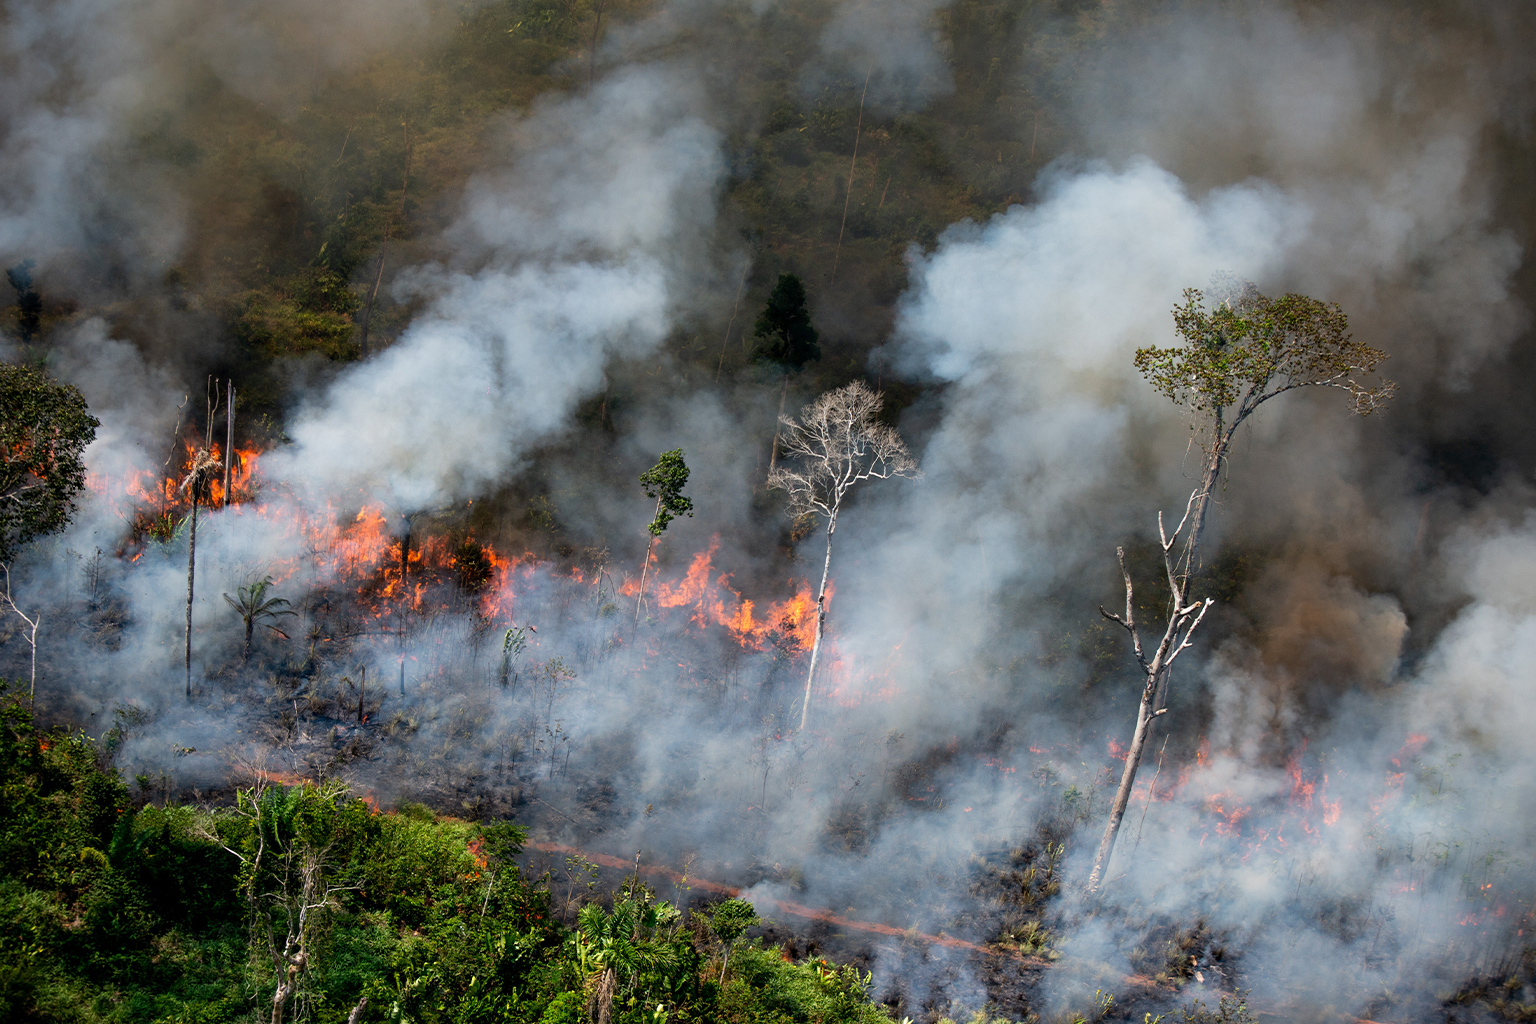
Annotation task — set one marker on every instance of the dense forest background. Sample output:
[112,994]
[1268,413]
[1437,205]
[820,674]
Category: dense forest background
[469,267]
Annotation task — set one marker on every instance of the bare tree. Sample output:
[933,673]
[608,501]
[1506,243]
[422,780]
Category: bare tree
[197,483]
[1182,621]
[836,444]
[1237,354]
[33,622]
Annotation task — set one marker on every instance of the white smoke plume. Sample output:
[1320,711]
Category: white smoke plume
[1306,154]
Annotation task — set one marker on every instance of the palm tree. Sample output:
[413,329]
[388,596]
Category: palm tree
[252,605]
[614,949]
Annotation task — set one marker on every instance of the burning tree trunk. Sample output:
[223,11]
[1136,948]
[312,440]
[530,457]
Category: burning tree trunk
[836,444]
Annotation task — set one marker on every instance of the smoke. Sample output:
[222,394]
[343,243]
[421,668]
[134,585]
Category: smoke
[1345,768]
[896,45]
[91,85]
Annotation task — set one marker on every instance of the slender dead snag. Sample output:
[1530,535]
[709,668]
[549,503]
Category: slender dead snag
[373,293]
[778,429]
[389,230]
[592,49]
[32,622]
[201,472]
[1182,621]
[836,444]
[229,439]
[852,165]
[740,287]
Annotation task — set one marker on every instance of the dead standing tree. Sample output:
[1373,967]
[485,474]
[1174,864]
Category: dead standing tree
[1237,354]
[197,484]
[836,444]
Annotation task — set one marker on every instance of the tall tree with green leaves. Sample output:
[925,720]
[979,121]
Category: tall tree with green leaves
[1237,353]
[664,482]
[29,304]
[291,843]
[784,330]
[44,431]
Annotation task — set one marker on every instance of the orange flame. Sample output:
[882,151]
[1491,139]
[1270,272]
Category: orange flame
[710,600]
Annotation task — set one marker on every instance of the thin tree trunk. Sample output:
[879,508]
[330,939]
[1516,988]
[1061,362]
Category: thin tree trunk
[1210,476]
[33,622]
[821,618]
[191,571]
[229,442]
[778,425]
[362,692]
[389,229]
[592,50]
[250,627]
[729,324]
[645,568]
[1144,716]
[32,639]
[405,557]
[852,165]
[362,339]
[1182,622]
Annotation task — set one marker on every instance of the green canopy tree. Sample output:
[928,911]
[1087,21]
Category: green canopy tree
[664,482]
[1237,353]
[44,430]
[615,950]
[784,330]
[29,304]
[729,920]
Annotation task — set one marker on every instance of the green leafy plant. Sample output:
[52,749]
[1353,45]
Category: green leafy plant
[664,482]
[44,430]
[784,330]
[253,605]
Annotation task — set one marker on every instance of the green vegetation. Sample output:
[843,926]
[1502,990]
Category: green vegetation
[301,902]
[43,436]
[784,327]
